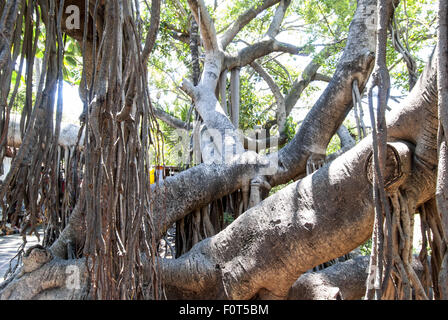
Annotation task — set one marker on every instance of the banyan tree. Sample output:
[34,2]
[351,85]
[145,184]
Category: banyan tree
[103,216]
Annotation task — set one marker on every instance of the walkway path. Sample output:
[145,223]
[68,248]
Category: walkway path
[8,249]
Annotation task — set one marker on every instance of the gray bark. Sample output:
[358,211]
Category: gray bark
[243,20]
[312,138]
[316,219]
[296,217]
[341,281]
[266,249]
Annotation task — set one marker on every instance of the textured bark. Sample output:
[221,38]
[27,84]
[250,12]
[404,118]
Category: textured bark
[442,177]
[243,20]
[316,129]
[264,251]
[290,224]
[153,29]
[50,282]
[308,74]
[170,120]
[280,100]
[381,80]
[346,138]
[321,217]
[341,281]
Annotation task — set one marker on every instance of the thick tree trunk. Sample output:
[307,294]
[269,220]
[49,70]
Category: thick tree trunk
[267,248]
[342,281]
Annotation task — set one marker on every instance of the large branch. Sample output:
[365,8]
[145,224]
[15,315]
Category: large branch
[341,281]
[309,74]
[321,217]
[260,49]
[243,20]
[264,47]
[279,15]
[57,280]
[263,252]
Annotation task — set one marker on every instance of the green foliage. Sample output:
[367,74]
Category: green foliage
[228,218]
[72,65]
[366,248]
[254,109]
[334,145]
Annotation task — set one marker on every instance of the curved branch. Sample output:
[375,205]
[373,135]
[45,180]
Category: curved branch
[335,102]
[170,119]
[243,20]
[279,15]
[341,281]
[260,49]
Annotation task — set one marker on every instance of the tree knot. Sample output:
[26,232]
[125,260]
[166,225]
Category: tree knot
[398,165]
[35,257]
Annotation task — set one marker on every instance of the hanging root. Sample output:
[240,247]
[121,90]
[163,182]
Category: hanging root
[432,234]
[257,186]
[314,163]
